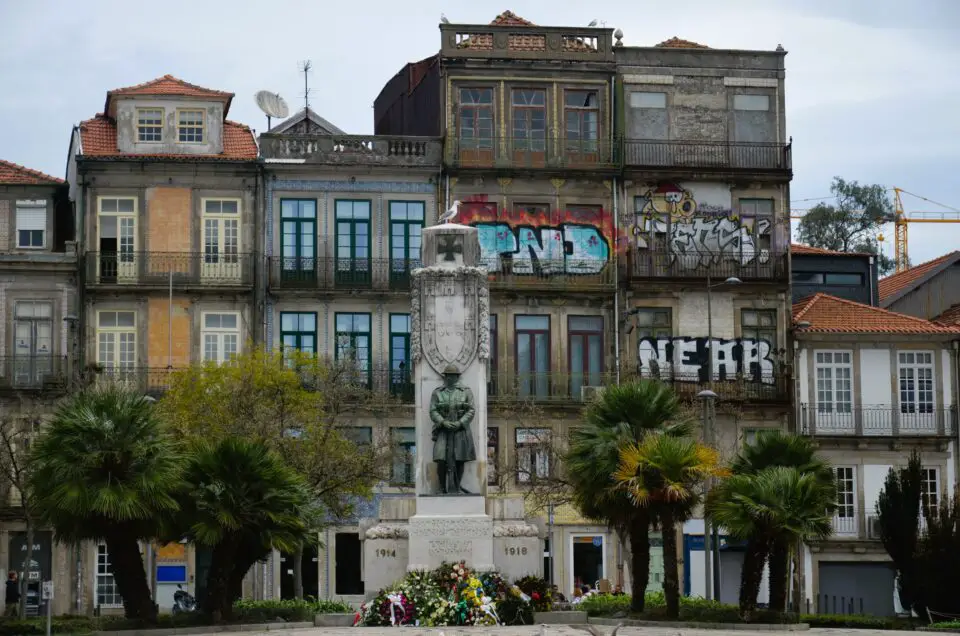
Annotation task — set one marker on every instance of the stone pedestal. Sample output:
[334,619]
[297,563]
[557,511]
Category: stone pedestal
[449,529]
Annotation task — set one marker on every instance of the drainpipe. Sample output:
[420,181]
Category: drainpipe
[616,280]
[326,570]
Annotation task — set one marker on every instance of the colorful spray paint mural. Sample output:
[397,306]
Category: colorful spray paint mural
[688,359]
[538,240]
[694,225]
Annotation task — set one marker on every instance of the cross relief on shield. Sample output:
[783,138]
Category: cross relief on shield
[449,324]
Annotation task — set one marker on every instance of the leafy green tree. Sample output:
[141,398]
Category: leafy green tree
[106,469]
[938,561]
[852,222]
[622,415]
[242,500]
[295,404]
[763,508]
[663,474]
[898,511]
[776,448]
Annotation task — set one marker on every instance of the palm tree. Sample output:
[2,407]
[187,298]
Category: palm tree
[243,501]
[776,448]
[105,469]
[623,414]
[663,474]
[762,508]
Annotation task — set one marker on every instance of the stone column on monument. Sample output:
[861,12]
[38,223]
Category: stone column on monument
[450,347]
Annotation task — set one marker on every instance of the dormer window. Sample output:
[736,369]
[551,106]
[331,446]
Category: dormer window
[190,126]
[31,224]
[149,124]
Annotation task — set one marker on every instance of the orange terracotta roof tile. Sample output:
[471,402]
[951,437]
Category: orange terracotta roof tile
[168,85]
[797,248]
[15,174]
[678,43]
[903,281]
[517,42]
[98,138]
[950,317]
[829,314]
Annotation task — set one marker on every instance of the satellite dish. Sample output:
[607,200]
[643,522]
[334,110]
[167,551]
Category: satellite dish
[272,105]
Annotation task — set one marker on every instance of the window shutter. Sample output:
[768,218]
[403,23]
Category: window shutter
[31,218]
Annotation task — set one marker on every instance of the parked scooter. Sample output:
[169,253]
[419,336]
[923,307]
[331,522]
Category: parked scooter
[183,602]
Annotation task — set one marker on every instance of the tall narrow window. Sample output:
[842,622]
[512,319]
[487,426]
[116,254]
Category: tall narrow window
[353,243]
[353,343]
[586,352]
[529,123]
[117,343]
[654,327]
[493,455]
[758,330]
[149,124]
[190,126]
[405,458]
[756,215]
[581,112]
[406,227]
[108,594]
[475,121]
[930,492]
[533,454]
[494,358]
[221,239]
[117,240]
[533,355]
[220,336]
[298,239]
[834,382]
[298,331]
[33,347]
[31,224]
[916,382]
[845,518]
[401,373]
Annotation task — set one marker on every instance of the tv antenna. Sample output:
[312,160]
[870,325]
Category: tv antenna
[272,105]
[305,68]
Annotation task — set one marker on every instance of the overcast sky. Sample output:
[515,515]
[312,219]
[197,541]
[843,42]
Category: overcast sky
[872,90]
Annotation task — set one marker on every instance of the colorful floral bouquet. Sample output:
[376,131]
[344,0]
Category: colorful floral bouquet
[539,592]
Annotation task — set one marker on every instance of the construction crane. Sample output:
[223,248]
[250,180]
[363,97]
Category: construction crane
[901,220]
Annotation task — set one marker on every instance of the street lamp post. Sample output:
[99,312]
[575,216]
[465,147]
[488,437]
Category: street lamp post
[711,539]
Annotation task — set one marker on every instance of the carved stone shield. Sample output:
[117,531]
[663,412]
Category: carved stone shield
[449,320]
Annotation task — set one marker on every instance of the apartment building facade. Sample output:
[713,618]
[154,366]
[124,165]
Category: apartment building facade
[38,308]
[873,386]
[166,193]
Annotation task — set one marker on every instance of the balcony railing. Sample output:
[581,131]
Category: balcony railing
[154,381]
[377,274]
[765,388]
[707,155]
[846,526]
[212,268]
[741,259]
[546,387]
[566,274]
[548,153]
[33,372]
[366,150]
[879,421]
[530,42]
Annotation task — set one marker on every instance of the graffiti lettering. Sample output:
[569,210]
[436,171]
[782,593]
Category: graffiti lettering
[568,249]
[698,234]
[688,359]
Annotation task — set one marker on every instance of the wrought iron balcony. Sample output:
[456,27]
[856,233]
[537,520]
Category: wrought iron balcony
[568,274]
[365,150]
[530,42]
[153,269]
[544,153]
[328,274]
[718,156]
[33,372]
[741,258]
[152,381]
[762,388]
[553,388]
[878,421]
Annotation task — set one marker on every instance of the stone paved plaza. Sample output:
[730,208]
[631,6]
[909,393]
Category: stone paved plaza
[557,630]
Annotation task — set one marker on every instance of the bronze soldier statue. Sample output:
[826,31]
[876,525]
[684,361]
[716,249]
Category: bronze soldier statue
[451,410]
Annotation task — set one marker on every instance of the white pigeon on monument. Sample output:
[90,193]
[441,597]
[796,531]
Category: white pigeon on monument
[451,214]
